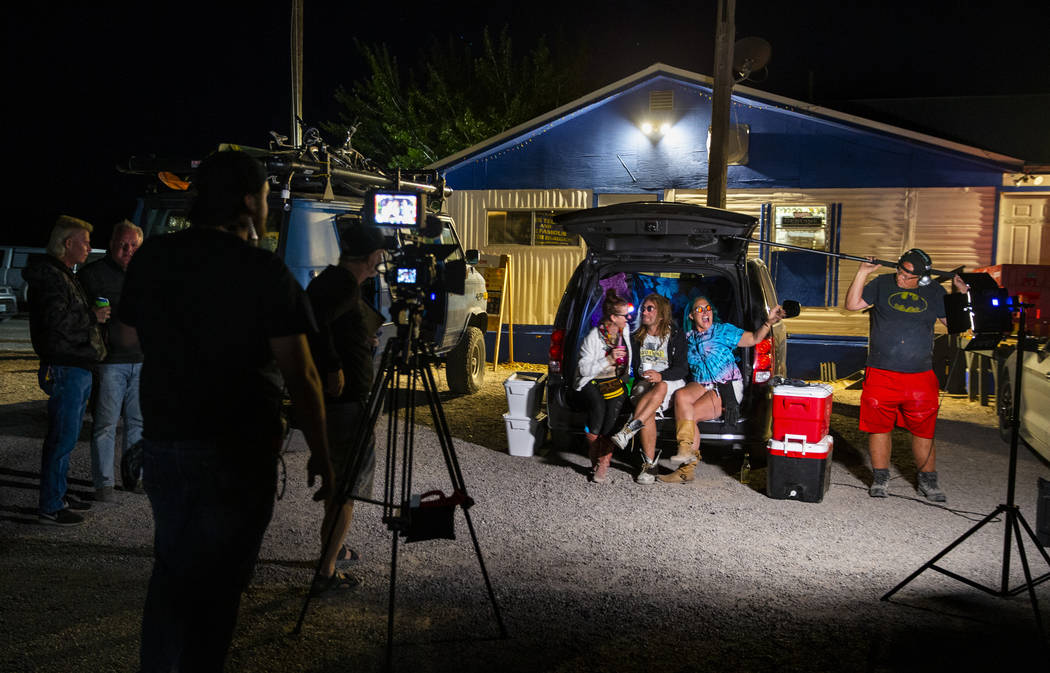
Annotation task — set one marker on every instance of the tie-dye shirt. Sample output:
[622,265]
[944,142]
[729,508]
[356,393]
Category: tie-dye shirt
[710,353]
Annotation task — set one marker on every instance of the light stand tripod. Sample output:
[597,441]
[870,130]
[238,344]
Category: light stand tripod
[406,355]
[1011,513]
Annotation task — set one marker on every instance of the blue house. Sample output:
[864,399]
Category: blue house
[813,177]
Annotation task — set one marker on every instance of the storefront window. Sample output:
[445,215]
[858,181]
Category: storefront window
[527,227]
[802,226]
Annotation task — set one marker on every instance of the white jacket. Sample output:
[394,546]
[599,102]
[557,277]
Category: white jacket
[593,363]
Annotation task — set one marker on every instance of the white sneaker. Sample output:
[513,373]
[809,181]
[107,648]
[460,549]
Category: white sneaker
[623,437]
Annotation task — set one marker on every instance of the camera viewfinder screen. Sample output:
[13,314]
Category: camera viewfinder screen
[399,210]
[406,276]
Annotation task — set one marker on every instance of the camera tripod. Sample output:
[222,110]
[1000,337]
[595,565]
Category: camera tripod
[1012,515]
[405,355]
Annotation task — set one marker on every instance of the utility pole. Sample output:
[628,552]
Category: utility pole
[723,90]
[296,135]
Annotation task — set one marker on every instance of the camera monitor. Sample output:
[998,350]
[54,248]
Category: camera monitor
[385,208]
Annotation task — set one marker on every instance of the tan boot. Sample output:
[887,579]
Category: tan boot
[605,451]
[685,432]
[683,475]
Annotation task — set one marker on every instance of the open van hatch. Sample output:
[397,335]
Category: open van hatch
[661,228]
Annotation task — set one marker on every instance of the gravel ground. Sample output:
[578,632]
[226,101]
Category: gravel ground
[708,576]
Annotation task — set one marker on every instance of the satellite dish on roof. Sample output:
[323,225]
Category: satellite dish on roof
[750,54]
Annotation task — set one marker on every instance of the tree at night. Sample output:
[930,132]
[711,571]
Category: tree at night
[457,94]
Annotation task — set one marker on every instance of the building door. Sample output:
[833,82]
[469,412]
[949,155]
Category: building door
[1024,229]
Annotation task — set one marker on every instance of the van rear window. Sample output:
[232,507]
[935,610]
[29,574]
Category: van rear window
[679,288]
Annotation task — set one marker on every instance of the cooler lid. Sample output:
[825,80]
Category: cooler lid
[812,390]
[796,446]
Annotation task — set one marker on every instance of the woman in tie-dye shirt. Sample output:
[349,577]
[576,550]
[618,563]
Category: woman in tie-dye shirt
[710,343]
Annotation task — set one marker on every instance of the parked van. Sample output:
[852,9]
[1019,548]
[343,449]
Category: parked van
[680,251]
[303,229]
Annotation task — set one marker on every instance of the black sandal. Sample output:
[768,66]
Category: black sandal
[339,581]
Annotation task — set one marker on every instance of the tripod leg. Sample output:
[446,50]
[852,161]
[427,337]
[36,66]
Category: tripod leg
[390,607]
[485,575]
[1015,515]
[456,475]
[944,552]
[376,398]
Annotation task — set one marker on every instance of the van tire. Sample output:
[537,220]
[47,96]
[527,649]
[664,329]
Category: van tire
[465,364]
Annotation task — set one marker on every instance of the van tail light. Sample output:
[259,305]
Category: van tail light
[557,351]
[762,370]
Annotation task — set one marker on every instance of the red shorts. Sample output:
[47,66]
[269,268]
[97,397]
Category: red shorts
[894,398]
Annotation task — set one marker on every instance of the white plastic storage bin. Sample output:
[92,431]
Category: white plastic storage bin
[525,435]
[524,393]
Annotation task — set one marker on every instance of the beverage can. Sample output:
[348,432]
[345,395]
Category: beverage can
[101,302]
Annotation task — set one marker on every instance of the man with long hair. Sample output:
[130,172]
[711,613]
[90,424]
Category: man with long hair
[660,369]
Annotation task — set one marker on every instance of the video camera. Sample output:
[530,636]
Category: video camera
[418,271]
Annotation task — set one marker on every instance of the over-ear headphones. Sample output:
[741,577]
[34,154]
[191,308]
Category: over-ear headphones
[921,265]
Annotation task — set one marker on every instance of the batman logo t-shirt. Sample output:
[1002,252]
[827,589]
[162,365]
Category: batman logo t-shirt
[901,335]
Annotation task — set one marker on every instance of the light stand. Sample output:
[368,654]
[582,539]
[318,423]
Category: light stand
[1011,514]
[406,355]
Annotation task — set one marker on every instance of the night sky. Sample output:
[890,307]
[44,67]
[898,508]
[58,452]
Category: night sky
[87,87]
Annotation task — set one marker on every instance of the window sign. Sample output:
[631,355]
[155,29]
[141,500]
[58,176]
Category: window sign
[802,226]
[527,227]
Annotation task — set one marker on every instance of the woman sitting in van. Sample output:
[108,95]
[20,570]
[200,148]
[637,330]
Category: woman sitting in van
[660,369]
[712,366]
[605,359]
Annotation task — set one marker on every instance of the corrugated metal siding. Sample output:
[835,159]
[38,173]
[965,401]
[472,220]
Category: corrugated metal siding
[539,274]
[956,226]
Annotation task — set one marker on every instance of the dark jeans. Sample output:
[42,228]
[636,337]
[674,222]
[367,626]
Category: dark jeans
[211,506]
[601,413]
[69,388]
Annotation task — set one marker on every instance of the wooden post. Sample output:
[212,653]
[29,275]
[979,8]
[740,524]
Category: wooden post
[508,302]
[723,92]
[497,282]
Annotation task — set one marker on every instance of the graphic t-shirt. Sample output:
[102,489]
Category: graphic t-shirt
[653,353]
[710,353]
[901,335]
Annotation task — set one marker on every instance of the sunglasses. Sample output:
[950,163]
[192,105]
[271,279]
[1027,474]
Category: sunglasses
[647,309]
[703,309]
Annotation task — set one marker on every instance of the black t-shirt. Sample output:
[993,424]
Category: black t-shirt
[901,335]
[343,340]
[205,304]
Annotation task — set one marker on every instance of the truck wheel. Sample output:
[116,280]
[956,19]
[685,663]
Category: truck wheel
[465,364]
[1005,407]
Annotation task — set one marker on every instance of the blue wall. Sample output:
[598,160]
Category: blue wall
[590,147]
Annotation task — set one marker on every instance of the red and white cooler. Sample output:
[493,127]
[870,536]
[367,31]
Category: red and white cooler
[797,469]
[802,410]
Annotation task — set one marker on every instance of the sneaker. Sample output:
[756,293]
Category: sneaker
[104,494]
[62,517]
[647,472]
[73,502]
[623,437]
[880,484]
[929,488]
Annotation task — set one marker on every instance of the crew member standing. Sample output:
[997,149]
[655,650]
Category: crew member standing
[118,375]
[222,323]
[900,387]
[342,350]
